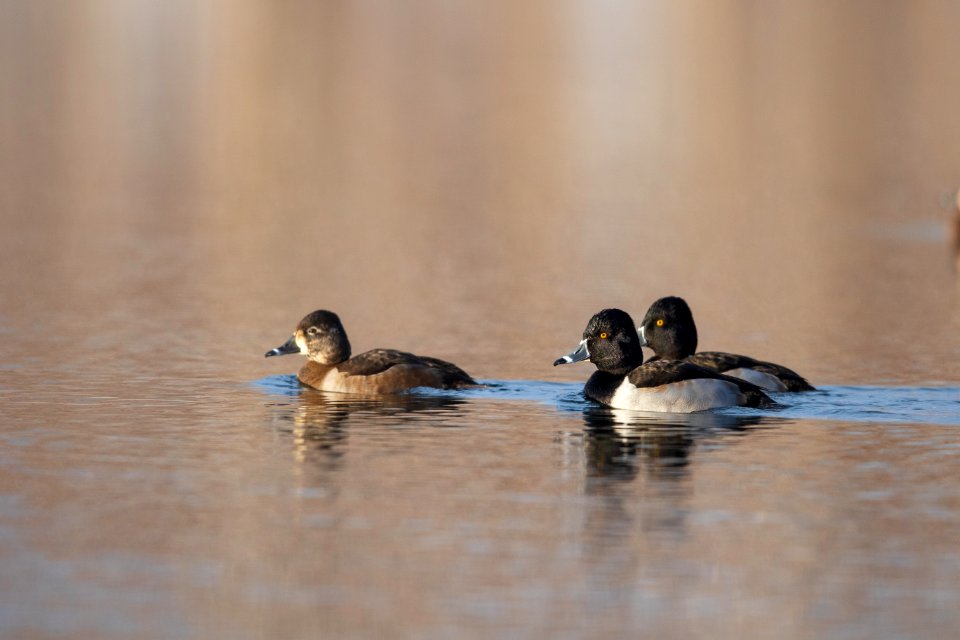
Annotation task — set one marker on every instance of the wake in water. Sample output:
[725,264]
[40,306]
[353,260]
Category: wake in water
[917,405]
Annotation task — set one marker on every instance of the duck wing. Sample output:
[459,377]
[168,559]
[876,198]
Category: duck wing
[660,372]
[720,361]
[376,361]
[379,360]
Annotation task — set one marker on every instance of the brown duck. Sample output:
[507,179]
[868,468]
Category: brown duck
[322,338]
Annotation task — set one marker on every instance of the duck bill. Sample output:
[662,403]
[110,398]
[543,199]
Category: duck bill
[643,338]
[290,346]
[578,354]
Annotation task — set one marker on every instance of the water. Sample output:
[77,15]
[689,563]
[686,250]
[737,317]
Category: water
[180,183]
[729,517]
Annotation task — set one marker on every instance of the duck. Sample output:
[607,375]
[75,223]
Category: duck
[329,367]
[669,330]
[623,381]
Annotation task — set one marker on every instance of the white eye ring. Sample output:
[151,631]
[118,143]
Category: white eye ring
[313,331]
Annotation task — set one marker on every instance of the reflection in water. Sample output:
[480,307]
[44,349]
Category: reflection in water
[318,420]
[615,439]
[618,446]
[613,453]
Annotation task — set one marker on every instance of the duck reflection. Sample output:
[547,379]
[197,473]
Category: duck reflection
[638,475]
[318,421]
[619,443]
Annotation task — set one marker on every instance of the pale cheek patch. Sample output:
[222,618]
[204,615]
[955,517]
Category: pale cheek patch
[301,342]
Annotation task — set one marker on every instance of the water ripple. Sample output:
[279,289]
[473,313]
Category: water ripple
[923,405]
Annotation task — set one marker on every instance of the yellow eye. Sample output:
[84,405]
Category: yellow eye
[603,336]
[660,322]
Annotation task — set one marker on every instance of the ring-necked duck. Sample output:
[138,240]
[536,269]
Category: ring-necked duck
[623,381]
[322,338]
[669,330]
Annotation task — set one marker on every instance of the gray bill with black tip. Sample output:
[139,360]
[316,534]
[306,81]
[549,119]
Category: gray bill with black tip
[290,346]
[578,354]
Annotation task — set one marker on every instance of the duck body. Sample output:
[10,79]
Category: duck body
[673,387]
[668,328]
[624,381]
[321,336]
[383,371]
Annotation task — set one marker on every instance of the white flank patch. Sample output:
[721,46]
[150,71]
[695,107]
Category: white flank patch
[763,380]
[677,397]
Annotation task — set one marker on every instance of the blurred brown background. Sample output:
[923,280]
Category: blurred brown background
[475,179]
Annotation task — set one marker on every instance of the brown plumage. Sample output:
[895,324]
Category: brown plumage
[322,338]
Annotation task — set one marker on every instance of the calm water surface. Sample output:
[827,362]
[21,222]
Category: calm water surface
[180,183]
